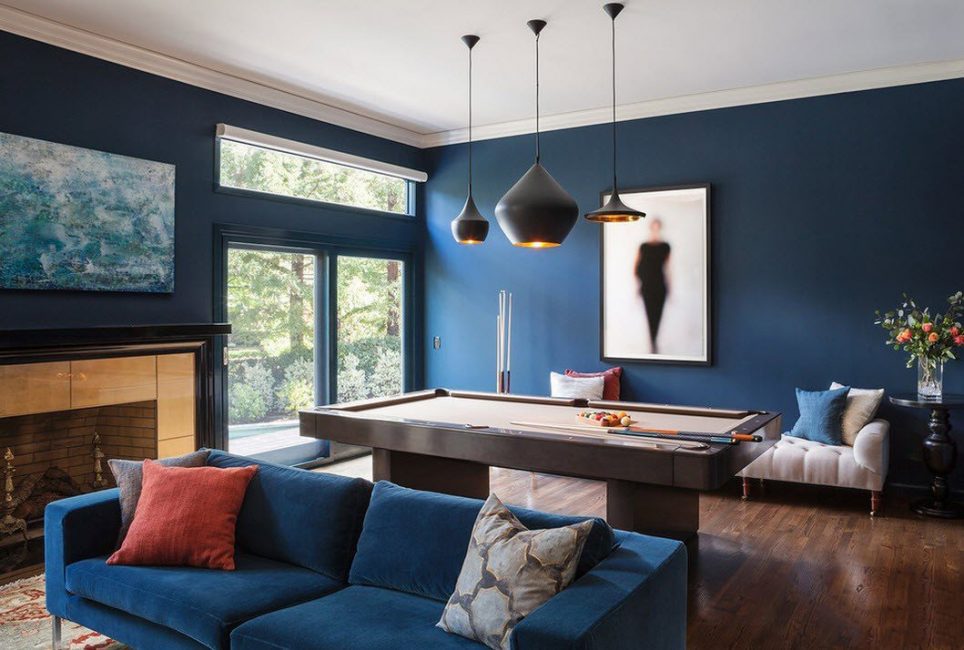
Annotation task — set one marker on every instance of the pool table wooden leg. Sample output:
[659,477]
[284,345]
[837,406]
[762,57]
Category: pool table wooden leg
[433,473]
[653,509]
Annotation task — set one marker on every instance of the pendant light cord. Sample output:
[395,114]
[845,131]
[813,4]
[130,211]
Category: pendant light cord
[614,104]
[538,150]
[470,121]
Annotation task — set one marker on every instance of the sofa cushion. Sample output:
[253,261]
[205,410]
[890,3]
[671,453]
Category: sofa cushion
[509,571]
[186,517]
[416,541]
[305,518]
[204,604]
[356,618]
[129,476]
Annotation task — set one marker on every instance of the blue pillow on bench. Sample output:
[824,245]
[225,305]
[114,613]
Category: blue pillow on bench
[821,415]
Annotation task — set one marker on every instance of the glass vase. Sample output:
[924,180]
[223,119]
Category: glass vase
[930,378]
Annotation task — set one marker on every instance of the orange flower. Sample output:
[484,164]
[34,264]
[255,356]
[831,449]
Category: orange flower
[933,337]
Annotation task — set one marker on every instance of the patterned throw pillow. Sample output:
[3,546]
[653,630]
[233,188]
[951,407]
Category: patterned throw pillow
[129,476]
[508,572]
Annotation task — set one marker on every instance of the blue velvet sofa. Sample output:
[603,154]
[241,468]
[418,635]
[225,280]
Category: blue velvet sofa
[327,562]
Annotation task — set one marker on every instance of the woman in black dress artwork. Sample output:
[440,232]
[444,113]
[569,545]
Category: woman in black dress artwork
[652,272]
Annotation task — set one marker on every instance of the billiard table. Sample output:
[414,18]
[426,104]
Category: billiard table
[446,440]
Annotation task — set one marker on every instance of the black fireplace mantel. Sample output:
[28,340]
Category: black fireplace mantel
[16,342]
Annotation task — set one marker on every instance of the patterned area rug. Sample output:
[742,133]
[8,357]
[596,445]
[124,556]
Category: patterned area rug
[25,623]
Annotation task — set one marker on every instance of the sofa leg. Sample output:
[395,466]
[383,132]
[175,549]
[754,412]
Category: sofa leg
[746,488]
[56,642]
[876,500]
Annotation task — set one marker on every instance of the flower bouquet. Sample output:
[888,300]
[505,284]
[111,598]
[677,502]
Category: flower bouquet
[929,339]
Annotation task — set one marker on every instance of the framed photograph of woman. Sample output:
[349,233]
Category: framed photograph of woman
[655,274]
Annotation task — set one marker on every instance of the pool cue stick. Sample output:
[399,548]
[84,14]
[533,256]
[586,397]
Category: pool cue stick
[498,353]
[745,437]
[671,436]
[508,349]
[673,442]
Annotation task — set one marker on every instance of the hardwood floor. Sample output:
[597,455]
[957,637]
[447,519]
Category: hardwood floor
[794,567]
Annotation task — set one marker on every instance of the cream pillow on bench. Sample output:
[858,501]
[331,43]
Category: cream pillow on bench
[862,405]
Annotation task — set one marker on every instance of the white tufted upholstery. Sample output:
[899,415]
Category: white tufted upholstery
[863,466]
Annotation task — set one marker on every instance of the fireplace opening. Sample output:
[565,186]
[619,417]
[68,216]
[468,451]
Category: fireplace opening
[50,456]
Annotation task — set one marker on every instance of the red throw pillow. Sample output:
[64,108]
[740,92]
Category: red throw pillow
[186,517]
[610,380]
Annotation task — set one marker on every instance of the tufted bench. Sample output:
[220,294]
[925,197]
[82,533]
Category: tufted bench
[863,466]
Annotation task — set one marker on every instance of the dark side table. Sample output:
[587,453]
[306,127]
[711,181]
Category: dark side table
[940,452]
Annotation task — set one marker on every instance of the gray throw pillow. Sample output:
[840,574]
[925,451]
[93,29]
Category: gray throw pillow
[129,476]
[508,572]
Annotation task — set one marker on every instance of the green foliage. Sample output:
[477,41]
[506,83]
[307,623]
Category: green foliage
[930,338]
[251,394]
[263,170]
[270,298]
[297,390]
[352,383]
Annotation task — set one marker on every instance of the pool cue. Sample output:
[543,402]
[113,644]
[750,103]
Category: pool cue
[744,437]
[673,442]
[723,440]
[499,342]
[508,349]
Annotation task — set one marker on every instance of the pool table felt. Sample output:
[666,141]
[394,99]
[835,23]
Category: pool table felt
[461,411]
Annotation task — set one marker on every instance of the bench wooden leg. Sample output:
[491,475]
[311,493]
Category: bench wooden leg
[746,488]
[876,501]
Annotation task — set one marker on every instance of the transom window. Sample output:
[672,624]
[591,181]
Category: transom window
[253,162]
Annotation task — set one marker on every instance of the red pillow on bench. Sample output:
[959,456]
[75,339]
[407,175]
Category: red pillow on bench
[186,517]
[610,380]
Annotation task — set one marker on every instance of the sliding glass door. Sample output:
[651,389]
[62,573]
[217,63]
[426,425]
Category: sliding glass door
[311,324]
[272,353]
[369,327]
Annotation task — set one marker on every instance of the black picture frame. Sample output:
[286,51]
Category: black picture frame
[708,307]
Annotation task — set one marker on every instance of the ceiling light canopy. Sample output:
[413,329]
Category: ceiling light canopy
[537,212]
[470,227]
[615,211]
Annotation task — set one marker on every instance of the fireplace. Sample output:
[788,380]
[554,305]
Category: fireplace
[71,400]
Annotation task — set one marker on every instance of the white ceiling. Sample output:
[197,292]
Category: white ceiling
[402,63]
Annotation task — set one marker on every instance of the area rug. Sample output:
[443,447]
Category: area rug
[25,623]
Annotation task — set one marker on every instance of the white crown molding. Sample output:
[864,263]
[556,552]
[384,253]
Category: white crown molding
[49,31]
[71,38]
[841,83]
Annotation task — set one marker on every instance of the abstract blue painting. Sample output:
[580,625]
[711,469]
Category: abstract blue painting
[73,218]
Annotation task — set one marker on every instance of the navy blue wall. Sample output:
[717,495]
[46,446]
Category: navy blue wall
[824,209]
[61,96]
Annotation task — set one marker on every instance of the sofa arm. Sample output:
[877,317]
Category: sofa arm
[635,598]
[77,528]
[872,447]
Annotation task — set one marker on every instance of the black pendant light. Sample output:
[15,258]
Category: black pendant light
[470,227]
[536,212]
[615,210]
